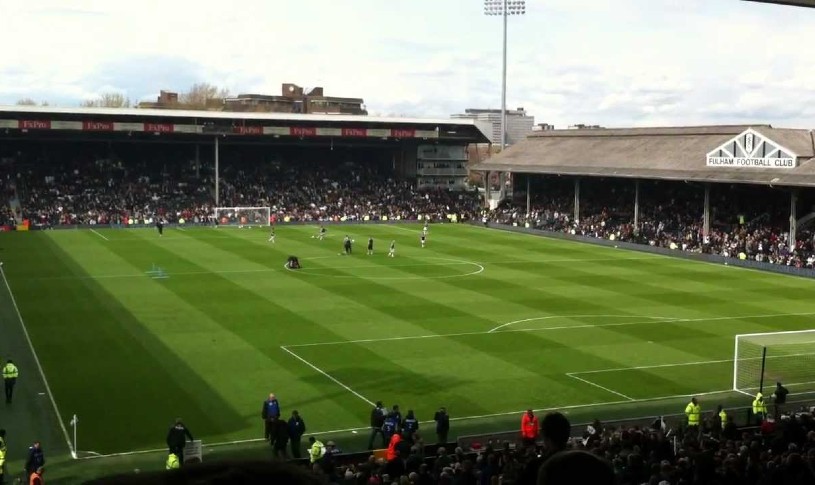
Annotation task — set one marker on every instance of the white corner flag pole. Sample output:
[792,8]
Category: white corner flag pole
[74,423]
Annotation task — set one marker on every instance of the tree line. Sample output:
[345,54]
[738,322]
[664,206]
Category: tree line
[198,96]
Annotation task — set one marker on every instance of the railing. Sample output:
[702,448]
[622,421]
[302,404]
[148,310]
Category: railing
[742,418]
[462,172]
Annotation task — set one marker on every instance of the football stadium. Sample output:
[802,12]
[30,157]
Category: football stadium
[287,295]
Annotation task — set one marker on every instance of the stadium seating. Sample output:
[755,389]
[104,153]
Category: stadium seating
[107,192]
[673,218]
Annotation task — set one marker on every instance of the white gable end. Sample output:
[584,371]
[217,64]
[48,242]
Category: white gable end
[751,149]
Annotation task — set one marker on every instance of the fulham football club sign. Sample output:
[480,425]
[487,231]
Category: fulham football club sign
[751,149]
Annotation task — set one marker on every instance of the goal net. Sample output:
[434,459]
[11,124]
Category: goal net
[243,216]
[762,359]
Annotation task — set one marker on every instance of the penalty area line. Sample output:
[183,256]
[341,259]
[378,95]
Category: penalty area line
[329,376]
[549,317]
[100,234]
[612,391]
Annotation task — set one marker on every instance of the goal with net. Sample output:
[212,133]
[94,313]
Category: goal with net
[762,359]
[243,216]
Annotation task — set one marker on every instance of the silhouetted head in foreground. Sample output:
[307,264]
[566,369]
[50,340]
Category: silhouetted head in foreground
[217,473]
[572,467]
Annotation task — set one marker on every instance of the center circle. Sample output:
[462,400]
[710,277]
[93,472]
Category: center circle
[431,268]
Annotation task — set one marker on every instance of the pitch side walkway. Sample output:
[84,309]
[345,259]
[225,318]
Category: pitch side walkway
[31,416]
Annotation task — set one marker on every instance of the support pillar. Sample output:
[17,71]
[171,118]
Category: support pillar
[217,174]
[706,216]
[793,217]
[528,195]
[197,160]
[576,201]
[636,207]
[487,189]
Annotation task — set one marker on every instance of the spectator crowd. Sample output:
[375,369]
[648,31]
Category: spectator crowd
[108,191]
[779,451]
[745,223]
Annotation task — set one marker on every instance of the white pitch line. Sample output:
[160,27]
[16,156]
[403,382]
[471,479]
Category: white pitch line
[181,229]
[464,334]
[335,380]
[669,320]
[239,271]
[37,361]
[380,278]
[100,234]
[549,317]
[680,364]
[656,366]
[546,329]
[599,386]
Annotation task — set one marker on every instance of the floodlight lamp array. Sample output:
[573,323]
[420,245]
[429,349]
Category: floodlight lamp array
[496,7]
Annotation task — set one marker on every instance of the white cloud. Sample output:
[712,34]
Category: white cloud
[614,62]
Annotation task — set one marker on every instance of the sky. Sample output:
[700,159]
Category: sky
[615,63]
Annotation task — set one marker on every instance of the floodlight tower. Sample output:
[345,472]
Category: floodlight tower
[504,8]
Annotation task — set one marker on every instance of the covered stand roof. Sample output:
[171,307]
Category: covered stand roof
[758,154]
[48,118]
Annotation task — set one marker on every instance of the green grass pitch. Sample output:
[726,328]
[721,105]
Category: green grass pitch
[133,329]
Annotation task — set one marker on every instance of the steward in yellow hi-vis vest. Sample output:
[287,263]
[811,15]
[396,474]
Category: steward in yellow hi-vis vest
[10,374]
[316,450]
[693,411]
[172,461]
[759,408]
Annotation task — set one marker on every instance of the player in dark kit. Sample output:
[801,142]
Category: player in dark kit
[370,246]
[160,227]
[346,243]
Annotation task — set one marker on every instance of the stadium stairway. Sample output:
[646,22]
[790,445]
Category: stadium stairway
[14,203]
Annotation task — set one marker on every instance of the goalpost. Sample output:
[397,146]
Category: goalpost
[243,216]
[762,359]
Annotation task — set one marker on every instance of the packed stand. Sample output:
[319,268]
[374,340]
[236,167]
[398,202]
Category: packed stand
[107,191]
[337,192]
[743,224]
[90,191]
